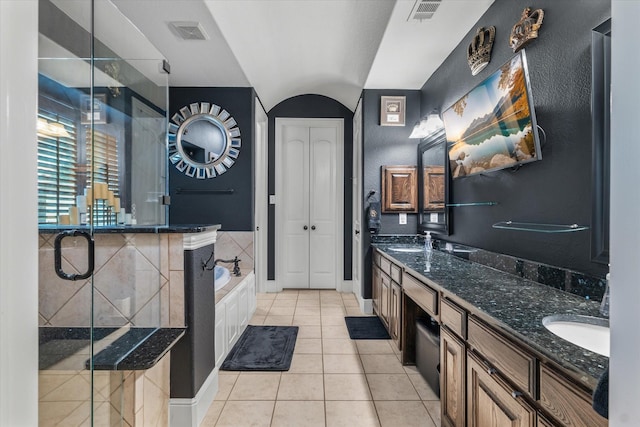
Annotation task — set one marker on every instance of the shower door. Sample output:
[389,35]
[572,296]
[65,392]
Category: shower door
[101,114]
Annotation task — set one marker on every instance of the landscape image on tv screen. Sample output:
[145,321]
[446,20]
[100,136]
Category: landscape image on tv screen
[493,126]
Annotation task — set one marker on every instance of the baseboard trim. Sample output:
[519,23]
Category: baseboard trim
[191,412]
[366,305]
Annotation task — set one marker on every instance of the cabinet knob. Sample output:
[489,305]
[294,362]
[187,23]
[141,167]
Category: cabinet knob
[305,227]
[491,371]
[516,394]
[313,227]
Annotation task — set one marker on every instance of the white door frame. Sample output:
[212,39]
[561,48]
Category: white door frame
[339,249]
[261,212]
[358,226]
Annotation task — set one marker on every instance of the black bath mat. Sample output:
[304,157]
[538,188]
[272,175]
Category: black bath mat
[262,348]
[366,328]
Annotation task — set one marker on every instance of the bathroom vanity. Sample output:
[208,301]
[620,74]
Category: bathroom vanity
[498,364]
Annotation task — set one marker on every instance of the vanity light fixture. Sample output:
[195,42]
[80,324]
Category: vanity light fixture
[427,126]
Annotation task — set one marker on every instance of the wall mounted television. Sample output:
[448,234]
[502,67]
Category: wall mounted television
[493,126]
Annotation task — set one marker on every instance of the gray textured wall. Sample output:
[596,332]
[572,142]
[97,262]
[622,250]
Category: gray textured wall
[386,145]
[233,211]
[557,189]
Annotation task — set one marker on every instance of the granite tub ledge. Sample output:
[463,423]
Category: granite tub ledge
[132,229]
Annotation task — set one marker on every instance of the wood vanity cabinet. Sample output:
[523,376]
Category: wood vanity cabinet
[490,380]
[387,295]
[453,356]
[491,402]
[385,291]
[567,403]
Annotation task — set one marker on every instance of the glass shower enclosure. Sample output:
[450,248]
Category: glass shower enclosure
[102,169]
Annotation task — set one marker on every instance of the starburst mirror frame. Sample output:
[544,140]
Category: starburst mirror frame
[204,140]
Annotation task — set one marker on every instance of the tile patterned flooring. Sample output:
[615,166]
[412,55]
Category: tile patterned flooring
[333,380]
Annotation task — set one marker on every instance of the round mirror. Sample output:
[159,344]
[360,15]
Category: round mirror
[204,140]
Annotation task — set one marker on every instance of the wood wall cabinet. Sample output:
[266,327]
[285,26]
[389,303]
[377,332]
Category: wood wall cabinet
[399,189]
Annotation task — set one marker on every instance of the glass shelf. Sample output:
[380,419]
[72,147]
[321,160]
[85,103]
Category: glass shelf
[460,205]
[539,228]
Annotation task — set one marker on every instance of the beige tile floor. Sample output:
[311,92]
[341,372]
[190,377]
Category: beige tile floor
[333,380]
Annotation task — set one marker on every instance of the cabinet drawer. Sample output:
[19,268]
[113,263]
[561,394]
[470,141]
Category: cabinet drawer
[376,258]
[513,362]
[385,265]
[396,274]
[454,317]
[565,402]
[421,294]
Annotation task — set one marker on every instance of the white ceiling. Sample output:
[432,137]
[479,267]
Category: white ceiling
[285,48]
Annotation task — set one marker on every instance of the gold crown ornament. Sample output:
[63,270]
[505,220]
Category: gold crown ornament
[526,29]
[479,52]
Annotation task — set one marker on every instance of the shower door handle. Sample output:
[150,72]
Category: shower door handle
[57,254]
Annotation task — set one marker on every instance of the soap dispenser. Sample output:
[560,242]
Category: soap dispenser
[428,243]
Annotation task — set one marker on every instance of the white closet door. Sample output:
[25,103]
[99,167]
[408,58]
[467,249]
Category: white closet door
[322,203]
[309,203]
[294,203]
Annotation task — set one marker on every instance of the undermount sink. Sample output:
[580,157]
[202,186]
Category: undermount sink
[591,333]
[405,249]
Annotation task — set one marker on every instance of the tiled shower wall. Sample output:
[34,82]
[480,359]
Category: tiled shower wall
[139,280]
[121,398]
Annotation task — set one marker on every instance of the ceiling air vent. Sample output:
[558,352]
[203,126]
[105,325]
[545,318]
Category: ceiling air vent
[424,9]
[188,30]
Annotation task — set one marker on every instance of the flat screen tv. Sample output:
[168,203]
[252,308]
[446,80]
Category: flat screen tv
[493,126]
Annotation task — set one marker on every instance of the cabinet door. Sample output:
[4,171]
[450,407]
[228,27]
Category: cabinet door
[232,319]
[385,292]
[395,316]
[253,299]
[243,307]
[452,379]
[375,289]
[220,338]
[491,402]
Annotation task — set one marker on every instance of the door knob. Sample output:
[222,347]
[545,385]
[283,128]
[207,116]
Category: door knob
[313,227]
[305,227]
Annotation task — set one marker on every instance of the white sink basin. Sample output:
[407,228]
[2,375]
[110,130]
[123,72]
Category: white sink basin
[587,332]
[404,249]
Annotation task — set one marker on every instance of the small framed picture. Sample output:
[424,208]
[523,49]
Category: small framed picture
[392,110]
[99,109]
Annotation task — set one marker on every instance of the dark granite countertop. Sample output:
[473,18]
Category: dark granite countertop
[183,228]
[510,303]
[115,348]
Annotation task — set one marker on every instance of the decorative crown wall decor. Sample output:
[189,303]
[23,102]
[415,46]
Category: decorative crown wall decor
[526,29]
[479,52]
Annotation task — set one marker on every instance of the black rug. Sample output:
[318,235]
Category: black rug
[262,348]
[366,328]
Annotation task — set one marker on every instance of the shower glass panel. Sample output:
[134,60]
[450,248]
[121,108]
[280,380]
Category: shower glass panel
[102,168]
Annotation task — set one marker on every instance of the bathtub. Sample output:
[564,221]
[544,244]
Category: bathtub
[221,276]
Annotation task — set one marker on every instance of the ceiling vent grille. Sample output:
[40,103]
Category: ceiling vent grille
[424,9]
[189,30]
